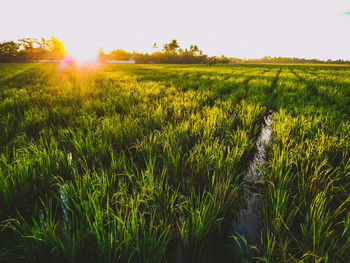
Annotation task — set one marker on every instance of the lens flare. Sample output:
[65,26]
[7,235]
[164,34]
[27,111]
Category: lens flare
[83,54]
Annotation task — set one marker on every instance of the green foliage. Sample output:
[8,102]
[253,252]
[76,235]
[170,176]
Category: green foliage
[127,163]
[306,210]
[31,49]
[99,166]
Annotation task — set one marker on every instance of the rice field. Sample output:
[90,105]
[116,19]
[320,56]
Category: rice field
[149,163]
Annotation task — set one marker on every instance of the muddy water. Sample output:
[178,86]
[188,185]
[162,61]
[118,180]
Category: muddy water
[247,223]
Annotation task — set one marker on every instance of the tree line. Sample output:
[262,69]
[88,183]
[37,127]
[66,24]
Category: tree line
[32,49]
[286,60]
[171,53]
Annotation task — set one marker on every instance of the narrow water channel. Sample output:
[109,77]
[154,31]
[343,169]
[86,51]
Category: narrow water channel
[64,199]
[247,223]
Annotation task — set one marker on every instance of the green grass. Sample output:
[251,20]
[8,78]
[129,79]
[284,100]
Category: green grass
[126,163]
[306,211]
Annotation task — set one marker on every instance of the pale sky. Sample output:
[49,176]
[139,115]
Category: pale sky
[236,28]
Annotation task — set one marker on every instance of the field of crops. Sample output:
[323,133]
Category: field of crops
[148,163]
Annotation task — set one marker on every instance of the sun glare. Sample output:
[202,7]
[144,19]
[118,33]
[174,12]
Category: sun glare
[83,54]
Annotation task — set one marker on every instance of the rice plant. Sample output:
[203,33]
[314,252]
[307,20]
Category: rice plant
[136,163]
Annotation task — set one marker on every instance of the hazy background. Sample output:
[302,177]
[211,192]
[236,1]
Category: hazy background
[236,28]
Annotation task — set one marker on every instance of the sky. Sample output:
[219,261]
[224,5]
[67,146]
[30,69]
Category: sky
[236,28]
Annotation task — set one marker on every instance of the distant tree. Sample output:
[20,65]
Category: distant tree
[57,50]
[155,45]
[171,47]
[212,61]
[9,51]
[223,60]
[28,43]
[45,44]
[194,49]
[31,49]
[119,54]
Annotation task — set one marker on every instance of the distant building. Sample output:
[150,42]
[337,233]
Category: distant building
[130,61]
[121,61]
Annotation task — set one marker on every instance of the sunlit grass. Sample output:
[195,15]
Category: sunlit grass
[152,158]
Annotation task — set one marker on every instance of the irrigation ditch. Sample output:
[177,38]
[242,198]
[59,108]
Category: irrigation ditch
[242,232]
[246,226]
